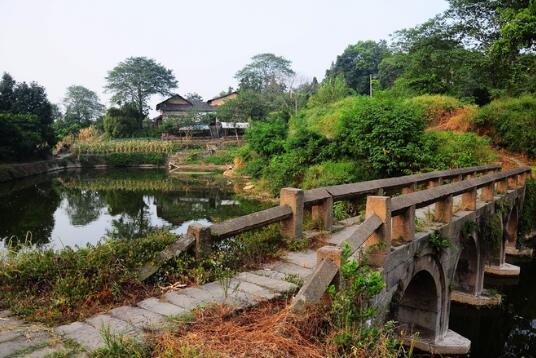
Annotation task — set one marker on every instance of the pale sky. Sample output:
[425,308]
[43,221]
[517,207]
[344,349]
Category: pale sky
[63,42]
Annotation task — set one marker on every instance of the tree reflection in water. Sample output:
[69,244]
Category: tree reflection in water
[78,208]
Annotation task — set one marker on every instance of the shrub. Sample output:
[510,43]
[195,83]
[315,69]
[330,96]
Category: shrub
[448,149]
[267,138]
[434,108]
[386,132]
[52,285]
[324,119]
[331,90]
[333,173]
[20,137]
[511,122]
[121,122]
[284,170]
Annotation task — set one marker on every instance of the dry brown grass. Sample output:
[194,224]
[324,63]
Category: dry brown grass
[266,331]
[459,120]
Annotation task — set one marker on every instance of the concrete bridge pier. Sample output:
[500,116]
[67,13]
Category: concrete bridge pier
[499,267]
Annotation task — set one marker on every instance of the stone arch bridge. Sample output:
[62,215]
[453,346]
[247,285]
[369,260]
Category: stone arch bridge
[476,209]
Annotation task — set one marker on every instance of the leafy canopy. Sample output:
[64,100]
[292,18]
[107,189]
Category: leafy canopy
[265,71]
[136,79]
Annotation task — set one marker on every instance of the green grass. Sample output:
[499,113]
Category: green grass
[54,286]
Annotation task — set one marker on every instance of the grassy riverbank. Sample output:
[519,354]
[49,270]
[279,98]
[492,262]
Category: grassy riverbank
[56,286]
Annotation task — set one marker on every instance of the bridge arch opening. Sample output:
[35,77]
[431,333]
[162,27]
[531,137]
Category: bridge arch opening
[468,270]
[419,308]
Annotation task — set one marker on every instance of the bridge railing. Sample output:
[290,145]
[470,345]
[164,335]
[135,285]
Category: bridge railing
[293,202]
[390,219]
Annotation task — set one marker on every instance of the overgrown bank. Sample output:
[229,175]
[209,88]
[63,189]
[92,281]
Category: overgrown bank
[53,286]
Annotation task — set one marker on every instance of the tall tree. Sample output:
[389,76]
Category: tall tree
[82,108]
[265,71]
[136,79]
[358,62]
[82,105]
[7,86]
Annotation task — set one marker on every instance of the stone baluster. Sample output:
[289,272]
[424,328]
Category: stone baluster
[292,227]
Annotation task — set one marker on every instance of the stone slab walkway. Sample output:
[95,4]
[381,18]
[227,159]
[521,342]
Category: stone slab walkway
[246,289]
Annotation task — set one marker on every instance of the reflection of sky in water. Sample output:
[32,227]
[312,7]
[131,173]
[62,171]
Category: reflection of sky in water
[76,208]
[67,234]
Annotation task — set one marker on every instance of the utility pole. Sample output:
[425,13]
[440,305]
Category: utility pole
[370,84]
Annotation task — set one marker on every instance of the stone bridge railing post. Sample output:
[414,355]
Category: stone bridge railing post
[203,239]
[323,212]
[469,200]
[488,192]
[443,210]
[380,240]
[292,227]
[502,186]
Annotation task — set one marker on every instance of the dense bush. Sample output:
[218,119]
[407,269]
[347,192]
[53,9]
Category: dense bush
[446,149]
[121,122]
[324,119]
[267,138]
[386,132]
[21,138]
[511,122]
[435,107]
[284,170]
[333,173]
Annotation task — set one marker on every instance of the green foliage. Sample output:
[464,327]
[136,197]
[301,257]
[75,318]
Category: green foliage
[125,159]
[20,137]
[26,123]
[350,309]
[358,62]
[51,285]
[121,347]
[331,90]
[490,232]
[527,221]
[136,79]
[446,149]
[284,170]
[434,107]
[511,123]
[333,173]
[324,119]
[439,242]
[265,71]
[386,132]
[121,122]
[267,139]
[82,108]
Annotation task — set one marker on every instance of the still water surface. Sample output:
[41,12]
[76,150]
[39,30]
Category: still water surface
[74,209]
[508,331]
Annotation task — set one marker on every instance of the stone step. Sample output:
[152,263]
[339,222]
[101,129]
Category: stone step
[183,301]
[258,293]
[46,352]
[301,258]
[337,238]
[280,286]
[288,268]
[233,297]
[116,326]
[139,317]
[199,294]
[270,274]
[161,307]
[24,343]
[88,336]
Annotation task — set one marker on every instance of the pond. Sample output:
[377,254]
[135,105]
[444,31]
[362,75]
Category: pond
[506,331]
[77,208]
